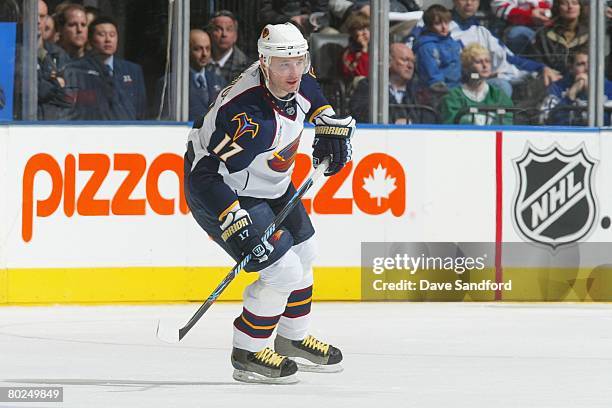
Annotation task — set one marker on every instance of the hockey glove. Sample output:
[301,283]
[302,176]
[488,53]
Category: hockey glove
[242,236]
[333,139]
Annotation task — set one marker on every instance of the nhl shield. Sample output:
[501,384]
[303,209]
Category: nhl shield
[554,203]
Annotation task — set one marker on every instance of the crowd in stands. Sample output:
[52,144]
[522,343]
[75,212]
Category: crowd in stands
[510,61]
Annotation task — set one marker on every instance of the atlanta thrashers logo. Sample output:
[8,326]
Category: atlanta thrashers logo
[554,203]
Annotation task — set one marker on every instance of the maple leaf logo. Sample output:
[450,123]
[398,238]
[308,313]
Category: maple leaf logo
[379,185]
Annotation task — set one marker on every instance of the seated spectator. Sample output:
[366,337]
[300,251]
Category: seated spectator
[342,10]
[438,60]
[475,92]
[522,18]
[72,28]
[554,45]
[355,61]
[228,61]
[508,68]
[53,101]
[204,86]
[109,88]
[572,91]
[296,11]
[402,91]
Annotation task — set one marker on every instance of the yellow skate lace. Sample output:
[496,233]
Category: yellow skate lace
[313,343]
[270,357]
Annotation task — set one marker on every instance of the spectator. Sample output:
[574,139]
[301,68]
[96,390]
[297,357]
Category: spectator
[72,28]
[296,11]
[508,69]
[49,34]
[572,91]
[109,88]
[475,92]
[438,54]
[228,61]
[402,91]
[522,18]
[91,13]
[570,31]
[53,101]
[204,86]
[342,10]
[355,60]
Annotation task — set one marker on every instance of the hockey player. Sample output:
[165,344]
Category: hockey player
[238,167]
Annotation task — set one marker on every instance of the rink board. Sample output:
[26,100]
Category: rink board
[97,213]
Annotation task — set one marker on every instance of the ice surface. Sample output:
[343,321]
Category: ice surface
[396,355]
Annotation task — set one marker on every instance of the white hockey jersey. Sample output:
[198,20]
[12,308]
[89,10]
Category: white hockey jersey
[248,142]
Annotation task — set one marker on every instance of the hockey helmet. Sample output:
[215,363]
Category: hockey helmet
[282,40]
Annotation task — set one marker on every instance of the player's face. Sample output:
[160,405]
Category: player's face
[74,31]
[286,74]
[104,39]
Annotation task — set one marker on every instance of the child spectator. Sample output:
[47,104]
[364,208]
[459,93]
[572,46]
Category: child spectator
[437,53]
[475,92]
[572,91]
[355,59]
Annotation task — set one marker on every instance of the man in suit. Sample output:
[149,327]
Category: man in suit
[228,60]
[204,85]
[108,87]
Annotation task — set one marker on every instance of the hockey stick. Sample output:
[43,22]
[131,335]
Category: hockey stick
[171,333]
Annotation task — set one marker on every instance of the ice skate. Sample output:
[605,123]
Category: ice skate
[265,366]
[310,354]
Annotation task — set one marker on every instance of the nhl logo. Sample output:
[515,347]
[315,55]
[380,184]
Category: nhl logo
[554,203]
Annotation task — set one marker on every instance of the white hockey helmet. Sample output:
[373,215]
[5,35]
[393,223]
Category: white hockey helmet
[282,40]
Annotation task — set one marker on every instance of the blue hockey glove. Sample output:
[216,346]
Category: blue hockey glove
[242,236]
[333,139]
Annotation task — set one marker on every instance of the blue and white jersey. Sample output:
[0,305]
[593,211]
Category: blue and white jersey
[247,143]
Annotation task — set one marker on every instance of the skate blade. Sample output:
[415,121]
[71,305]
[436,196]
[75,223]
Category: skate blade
[308,367]
[255,378]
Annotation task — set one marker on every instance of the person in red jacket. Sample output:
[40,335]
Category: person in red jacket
[523,18]
[355,61]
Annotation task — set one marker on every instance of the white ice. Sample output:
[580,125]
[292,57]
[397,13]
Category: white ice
[396,355]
